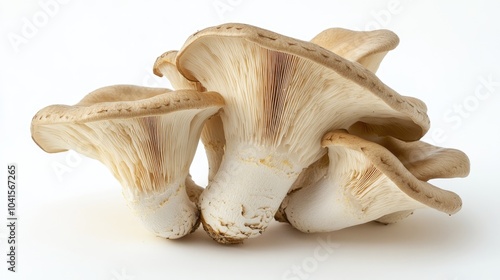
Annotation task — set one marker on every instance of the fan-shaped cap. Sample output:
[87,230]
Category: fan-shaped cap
[365,47]
[284,74]
[379,179]
[121,101]
[164,66]
[395,162]
[426,161]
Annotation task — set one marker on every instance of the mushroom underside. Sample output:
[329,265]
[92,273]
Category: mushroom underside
[367,181]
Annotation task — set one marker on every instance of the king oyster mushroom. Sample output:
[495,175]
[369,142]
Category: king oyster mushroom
[282,95]
[147,137]
[382,178]
[212,135]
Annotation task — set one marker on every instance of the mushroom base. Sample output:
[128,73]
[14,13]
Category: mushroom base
[243,197]
[169,213]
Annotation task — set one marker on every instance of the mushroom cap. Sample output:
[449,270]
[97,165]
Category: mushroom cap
[215,45]
[116,102]
[367,181]
[398,162]
[133,130]
[426,161]
[164,66]
[365,47]
[416,160]
[166,59]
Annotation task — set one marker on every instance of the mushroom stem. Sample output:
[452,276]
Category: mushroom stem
[168,213]
[212,137]
[231,215]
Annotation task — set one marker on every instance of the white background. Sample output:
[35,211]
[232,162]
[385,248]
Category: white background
[75,224]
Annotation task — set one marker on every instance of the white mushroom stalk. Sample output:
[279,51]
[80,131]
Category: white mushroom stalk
[212,135]
[383,179]
[282,95]
[147,137]
[308,177]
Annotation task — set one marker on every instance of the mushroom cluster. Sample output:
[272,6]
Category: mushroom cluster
[301,132]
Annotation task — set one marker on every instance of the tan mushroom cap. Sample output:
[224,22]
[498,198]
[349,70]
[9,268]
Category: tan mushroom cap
[367,181]
[58,128]
[426,161]
[166,59]
[398,162]
[365,47]
[423,161]
[412,122]
[164,66]
[121,101]
[368,48]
